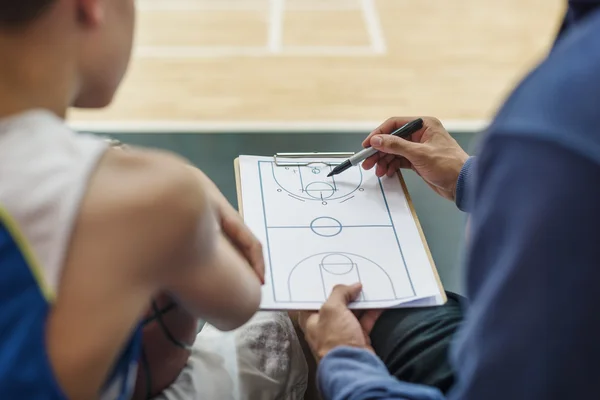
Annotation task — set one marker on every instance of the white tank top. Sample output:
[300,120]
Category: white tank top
[44,172]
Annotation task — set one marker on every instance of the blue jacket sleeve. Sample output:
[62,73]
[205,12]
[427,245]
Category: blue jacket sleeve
[533,270]
[348,373]
[464,185]
[531,330]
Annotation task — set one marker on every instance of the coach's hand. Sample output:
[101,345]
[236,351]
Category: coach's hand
[234,228]
[431,152]
[335,325]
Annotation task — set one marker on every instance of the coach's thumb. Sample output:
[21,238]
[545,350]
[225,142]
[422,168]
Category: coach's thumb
[394,145]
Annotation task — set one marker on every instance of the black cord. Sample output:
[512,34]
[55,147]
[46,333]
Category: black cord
[155,316]
[166,330]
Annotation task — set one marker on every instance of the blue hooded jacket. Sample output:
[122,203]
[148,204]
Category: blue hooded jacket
[532,329]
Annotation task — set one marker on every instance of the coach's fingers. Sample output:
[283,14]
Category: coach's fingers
[395,145]
[371,161]
[385,161]
[381,169]
[341,296]
[396,165]
[387,158]
[303,318]
[390,125]
[368,319]
[403,163]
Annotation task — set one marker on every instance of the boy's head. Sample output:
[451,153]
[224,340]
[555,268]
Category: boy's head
[19,13]
[91,38]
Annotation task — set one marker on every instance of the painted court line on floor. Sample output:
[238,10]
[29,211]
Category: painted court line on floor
[276,19]
[276,10]
[373,23]
[194,52]
[207,127]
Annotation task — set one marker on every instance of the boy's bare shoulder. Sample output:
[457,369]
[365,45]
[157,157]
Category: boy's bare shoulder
[145,179]
[145,175]
[151,200]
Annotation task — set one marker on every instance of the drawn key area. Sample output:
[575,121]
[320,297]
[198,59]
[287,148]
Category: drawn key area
[305,197]
[310,183]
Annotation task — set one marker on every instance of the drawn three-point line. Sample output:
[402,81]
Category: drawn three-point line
[297,198]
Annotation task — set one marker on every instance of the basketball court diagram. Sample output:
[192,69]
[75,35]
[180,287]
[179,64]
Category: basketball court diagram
[329,269]
[324,218]
[263,28]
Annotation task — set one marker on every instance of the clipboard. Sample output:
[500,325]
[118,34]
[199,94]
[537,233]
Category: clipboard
[286,159]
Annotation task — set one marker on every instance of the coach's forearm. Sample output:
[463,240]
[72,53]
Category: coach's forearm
[349,373]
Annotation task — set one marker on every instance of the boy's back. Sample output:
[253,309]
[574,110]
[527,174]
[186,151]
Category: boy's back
[45,169]
[90,234]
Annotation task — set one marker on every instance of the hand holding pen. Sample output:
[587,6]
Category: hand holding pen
[431,152]
[401,133]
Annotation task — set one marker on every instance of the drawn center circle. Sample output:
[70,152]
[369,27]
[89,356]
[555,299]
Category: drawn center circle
[326,226]
[337,264]
[319,190]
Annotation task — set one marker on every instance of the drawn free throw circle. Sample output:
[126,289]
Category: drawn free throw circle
[337,264]
[326,226]
[320,190]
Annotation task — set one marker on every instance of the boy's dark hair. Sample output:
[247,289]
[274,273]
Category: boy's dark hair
[18,13]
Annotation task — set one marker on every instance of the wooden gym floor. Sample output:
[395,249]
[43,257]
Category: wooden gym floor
[201,63]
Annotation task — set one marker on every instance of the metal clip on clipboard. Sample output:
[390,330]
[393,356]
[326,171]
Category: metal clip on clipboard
[295,159]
